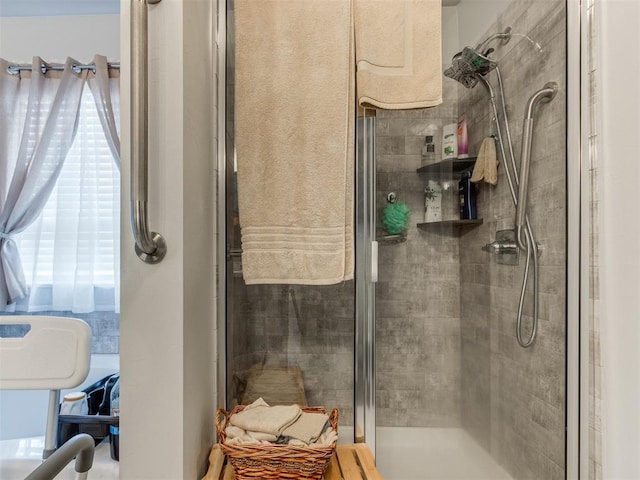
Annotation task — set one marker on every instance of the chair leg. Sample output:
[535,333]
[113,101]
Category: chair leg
[51,434]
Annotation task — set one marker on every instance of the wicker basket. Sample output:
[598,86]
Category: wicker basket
[276,461]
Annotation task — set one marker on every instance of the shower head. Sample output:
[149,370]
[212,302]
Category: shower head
[467,65]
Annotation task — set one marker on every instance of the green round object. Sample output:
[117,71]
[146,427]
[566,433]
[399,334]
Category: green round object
[395,218]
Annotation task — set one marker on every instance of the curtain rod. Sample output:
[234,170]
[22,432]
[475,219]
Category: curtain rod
[15,69]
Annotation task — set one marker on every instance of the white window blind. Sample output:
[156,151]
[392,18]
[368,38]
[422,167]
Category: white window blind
[71,254]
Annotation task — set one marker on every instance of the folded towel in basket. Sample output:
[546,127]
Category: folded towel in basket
[247,436]
[308,427]
[259,417]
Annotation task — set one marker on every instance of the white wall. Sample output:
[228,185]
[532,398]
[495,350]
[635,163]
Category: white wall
[475,17]
[618,39]
[58,37]
[167,310]
[200,240]
[450,41]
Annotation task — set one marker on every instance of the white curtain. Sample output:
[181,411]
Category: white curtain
[104,89]
[67,248]
[49,129]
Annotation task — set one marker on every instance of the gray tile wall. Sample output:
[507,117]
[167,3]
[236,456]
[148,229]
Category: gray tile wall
[311,327]
[417,295]
[513,399]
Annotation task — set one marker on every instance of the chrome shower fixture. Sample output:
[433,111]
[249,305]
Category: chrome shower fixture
[504,36]
[471,62]
[470,67]
[467,65]
[544,95]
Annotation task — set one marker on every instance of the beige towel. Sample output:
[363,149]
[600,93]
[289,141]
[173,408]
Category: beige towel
[236,432]
[398,53]
[486,167]
[271,420]
[307,428]
[294,138]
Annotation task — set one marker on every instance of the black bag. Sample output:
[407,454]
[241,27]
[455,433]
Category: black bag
[99,419]
[99,395]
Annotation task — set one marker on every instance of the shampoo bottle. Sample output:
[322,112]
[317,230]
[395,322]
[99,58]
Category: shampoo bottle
[450,141]
[467,196]
[432,202]
[463,139]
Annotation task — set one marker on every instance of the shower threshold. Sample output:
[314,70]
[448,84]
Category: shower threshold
[417,453]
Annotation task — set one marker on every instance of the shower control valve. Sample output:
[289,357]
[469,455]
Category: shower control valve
[504,247]
[501,247]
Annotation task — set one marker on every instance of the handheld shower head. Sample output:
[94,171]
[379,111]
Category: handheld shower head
[467,65]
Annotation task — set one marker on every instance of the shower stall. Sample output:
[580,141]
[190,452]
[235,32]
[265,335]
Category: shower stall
[448,352]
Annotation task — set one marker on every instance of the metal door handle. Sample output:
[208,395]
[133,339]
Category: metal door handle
[374,261]
[150,246]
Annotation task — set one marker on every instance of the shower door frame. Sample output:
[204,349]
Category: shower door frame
[578,235]
[577,345]
[577,285]
[365,278]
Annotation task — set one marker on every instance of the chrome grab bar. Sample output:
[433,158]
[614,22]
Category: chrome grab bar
[546,94]
[150,246]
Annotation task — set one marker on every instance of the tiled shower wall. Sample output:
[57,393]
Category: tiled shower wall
[513,399]
[310,327]
[418,293]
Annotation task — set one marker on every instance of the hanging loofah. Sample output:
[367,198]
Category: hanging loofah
[395,218]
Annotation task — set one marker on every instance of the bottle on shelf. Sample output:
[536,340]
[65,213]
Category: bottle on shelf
[450,141]
[429,147]
[428,151]
[467,197]
[432,202]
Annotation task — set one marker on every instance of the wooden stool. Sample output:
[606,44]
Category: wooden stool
[350,462]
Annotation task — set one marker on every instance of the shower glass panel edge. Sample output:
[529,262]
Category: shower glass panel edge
[221,230]
[365,381]
[577,403]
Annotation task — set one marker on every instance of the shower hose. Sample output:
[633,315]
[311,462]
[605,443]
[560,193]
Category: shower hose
[533,251]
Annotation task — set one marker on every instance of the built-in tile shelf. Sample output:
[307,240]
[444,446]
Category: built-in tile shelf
[451,165]
[451,223]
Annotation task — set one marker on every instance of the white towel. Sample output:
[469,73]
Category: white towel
[486,167]
[399,53]
[294,138]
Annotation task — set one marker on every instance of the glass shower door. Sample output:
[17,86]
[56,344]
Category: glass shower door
[456,396]
[284,343]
